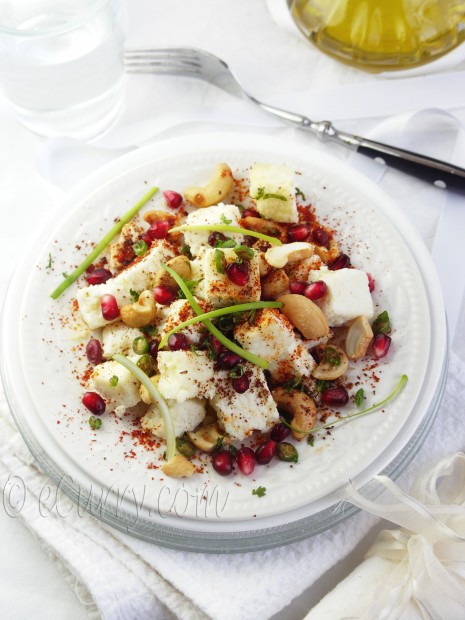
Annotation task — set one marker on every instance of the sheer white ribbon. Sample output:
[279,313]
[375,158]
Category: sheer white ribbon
[428,552]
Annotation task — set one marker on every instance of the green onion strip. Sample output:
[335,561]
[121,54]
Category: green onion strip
[226,228]
[253,305]
[99,248]
[255,359]
[156,398]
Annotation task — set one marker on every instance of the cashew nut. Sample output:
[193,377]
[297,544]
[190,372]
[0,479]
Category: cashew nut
[358,338]
[327,254]
[305,315]
[259,224]
[300,406]
[274,284]
[181,265]
[206,437]
[280,255]
[143,391]
[334,363]
[178,467]
[140,313]
[215,191]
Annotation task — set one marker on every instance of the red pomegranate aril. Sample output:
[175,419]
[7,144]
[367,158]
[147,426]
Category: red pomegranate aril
[245,459]
[223,462]
[109,306]
[241,384]
[315,290]
[94,351]
[98,276]
[320,236]
[227,360]
[215,345]
[340,262]
[153,349]
[238,273]
[147,238]
[298,287]
[298,232]
[158,229]
[94,403]
[266,451]
[178,342]
[250,213]
[381,344]
[371,282]
[173,199]
[164,295]
[279,432]
[335,396]
[216,237]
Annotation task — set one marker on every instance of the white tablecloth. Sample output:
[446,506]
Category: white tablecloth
[273,64]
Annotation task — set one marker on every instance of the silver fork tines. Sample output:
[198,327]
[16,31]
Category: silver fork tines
[196,63]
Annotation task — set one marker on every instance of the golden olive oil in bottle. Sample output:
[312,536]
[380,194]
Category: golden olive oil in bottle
[380,35]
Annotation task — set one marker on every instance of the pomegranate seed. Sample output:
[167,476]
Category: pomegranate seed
[315,290]
[340,262]
[178,342]
[298,287]
[266,451]
[371,282]
[94,351]
[238,273]
[153,349]
[216,237]
[250,213]
[228,359]
[381,344]
[223,462]
[109,305]
[335,396]
[99,276]
[215,345]
[245,459]
[241,384]
[164,295]
[94,403]
[298,232]
[320,236]
[147,238]
[279,432]
[173,199]
[158,229]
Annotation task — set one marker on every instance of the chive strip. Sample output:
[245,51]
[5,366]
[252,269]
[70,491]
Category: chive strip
[227,228]
[252,305]
[99,248]
[255,359]
[156,398]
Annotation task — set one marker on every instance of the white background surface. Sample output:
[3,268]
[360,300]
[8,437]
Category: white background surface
[272,64]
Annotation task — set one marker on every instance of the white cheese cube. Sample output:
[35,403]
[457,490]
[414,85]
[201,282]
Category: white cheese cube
[347,296]
[241,414]
[272,336]
[272,188]
[217,288]
[138,277]
[180,311]
[130,233]
[186,417]
[184,374]
[118,394]
[218,214]
[119,338]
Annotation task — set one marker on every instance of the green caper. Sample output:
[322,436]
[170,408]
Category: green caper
[287,452]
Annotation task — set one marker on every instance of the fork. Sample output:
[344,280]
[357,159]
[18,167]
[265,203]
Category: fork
[196,63]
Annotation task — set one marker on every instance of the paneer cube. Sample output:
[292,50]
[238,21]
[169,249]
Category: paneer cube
[347,297]
[185,374]
[138,277]
[180,311]
[272,188]
[119,338]
[241,414]
[121,252]
[217,287]
[186,417]
[272,336]
[218,214]
[116,385]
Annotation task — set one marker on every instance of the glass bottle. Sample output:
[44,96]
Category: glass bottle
[380,35]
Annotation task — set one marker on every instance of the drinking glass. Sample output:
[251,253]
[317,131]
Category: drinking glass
[61,64]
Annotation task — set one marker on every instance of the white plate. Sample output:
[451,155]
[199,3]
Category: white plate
[111,475]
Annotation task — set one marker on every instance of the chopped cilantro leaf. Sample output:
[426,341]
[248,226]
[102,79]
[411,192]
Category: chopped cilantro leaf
[114,381]
[262,195]
[134,294]
[299,192]
[224,220]
[50,262]
[95,423]
[259,491]
[359,397]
